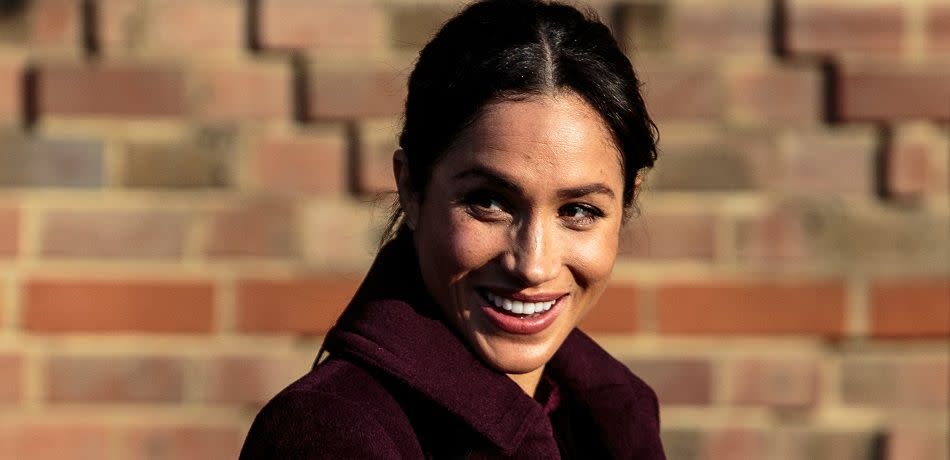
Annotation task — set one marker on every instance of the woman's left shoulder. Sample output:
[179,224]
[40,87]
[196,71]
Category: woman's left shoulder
[591,367]
[623,410]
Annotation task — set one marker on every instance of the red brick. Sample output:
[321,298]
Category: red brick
[821,443]
[111,379]
[926,382]
[113,234]
[171,26]
[413,25]
[733,444]
[677,381]
[9,232]
[917,162]
[117,306]
[775,382]
[204,159]
[720,27]
[56,23]
[670,236]
[680,90]
[896,382]
[341,235]
[910,308]
[4,287]
[704,160]
[835,445]
[378,140]
[260,229]
[110,91]
[243,92]
[307,163]
[11,87]
[122,25]
[53,441]
[811,233]
[643,27]
[36,161]
[341,92]
[681,442]
[893,90]
[818,27]
[336,26]
[615,312]
[304,306]
[778,236]
[938,28]
[774,95]
[12,375]
[752,308]
[910,441]
[250,379]
[187,442]
[825,162]
[187,25]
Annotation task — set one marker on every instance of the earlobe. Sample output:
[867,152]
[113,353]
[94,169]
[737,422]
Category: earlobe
[407,198]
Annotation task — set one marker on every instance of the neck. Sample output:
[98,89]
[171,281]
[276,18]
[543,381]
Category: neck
[528,381]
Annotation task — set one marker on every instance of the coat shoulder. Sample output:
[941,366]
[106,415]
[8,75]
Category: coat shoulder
[623,409]
[337,410]
[600,371]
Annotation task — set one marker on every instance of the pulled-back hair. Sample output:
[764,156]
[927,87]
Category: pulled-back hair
[498,50]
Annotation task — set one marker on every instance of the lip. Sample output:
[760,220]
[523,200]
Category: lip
[524,297]
[519,324]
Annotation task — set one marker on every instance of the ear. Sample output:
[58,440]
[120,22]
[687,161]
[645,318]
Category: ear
[637,182]
[407,197]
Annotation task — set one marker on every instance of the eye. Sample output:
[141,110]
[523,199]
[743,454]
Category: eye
[580,215]
[484,204]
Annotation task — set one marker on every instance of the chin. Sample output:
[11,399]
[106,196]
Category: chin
[511,357]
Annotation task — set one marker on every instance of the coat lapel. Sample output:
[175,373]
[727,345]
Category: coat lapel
[621,408]
[393,326]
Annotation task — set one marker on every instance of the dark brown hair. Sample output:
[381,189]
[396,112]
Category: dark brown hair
[514,49]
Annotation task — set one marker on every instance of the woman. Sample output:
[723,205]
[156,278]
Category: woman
[524,136]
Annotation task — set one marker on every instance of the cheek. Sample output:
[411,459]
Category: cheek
[461,245]
[593,259]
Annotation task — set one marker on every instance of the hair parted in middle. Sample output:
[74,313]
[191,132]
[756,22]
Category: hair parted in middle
[496,50]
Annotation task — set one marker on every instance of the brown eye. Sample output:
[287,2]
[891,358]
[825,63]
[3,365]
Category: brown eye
[488,204]
[485,205]
[580,214]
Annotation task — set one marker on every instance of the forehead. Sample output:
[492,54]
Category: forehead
[554,134]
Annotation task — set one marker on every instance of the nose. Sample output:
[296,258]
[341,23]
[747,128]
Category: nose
[535,254]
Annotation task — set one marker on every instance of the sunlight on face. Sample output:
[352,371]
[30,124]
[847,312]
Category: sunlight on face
[518,230]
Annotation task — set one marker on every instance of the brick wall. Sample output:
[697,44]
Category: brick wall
[187,201]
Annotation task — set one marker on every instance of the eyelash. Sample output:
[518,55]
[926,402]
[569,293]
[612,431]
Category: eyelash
[475,203]
[592,214]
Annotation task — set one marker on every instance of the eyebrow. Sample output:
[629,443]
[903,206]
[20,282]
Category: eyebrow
[499,179]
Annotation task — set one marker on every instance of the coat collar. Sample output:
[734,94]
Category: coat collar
[394,326]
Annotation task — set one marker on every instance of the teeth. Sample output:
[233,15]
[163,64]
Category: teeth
[518,307]
[529,308]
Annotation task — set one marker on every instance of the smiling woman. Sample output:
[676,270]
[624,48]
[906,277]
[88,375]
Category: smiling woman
[499,236]
[524,137]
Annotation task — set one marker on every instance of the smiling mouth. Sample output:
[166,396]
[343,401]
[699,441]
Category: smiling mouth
[517,307]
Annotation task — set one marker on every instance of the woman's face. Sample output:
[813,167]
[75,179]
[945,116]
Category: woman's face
[518,230]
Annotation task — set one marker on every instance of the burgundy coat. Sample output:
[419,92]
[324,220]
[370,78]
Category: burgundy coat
[398,383]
